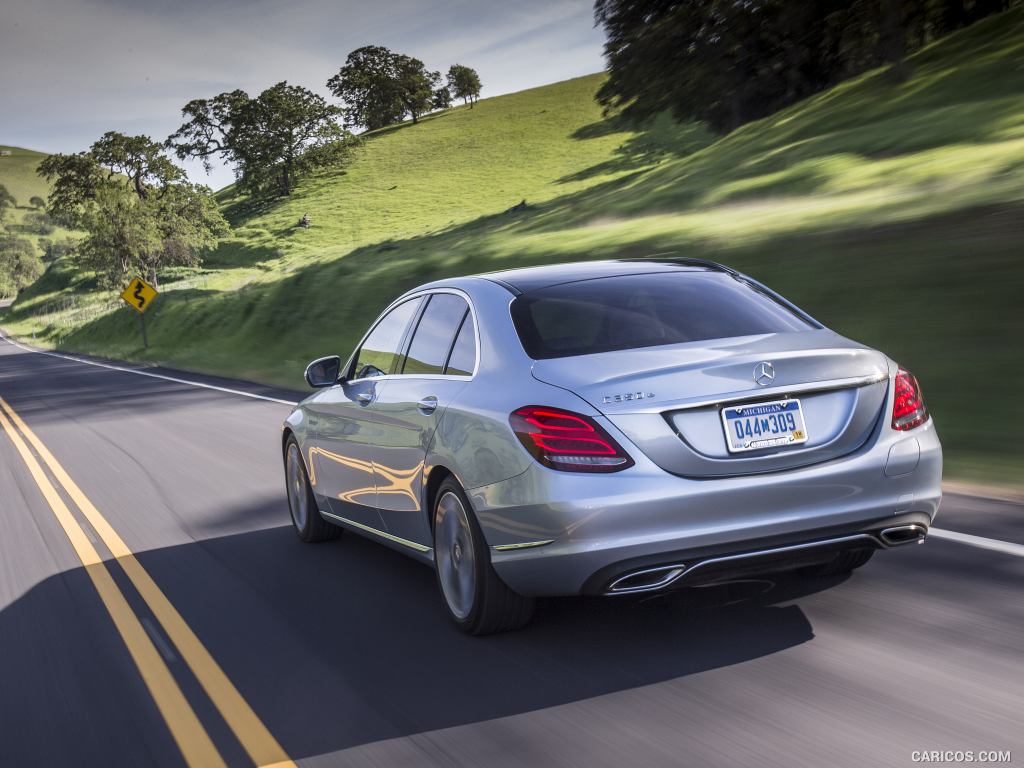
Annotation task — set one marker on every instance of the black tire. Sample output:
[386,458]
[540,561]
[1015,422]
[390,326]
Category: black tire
[492,606]
[842,563]
[309,526]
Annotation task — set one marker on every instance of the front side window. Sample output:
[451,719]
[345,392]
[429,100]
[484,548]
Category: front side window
[435,332]
[381,352]
[634,311]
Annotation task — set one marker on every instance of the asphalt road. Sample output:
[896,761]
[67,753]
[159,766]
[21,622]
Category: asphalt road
[339,654]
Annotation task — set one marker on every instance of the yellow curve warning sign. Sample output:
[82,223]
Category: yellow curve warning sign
[139,294]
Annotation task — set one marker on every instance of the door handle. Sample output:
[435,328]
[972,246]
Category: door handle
[427,404]
[365,397]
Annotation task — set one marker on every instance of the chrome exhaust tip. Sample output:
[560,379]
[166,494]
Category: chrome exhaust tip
[903,534]
[647,580]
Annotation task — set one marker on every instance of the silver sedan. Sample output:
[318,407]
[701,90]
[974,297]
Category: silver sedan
[609,428]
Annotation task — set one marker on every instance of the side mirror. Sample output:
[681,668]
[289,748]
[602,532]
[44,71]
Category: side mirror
[323,372]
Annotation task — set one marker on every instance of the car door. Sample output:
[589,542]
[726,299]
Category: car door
[440,361]
[344,423]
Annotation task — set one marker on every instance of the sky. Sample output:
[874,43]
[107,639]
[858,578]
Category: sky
[72,69]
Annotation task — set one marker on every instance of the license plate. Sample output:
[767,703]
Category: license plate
[763,425]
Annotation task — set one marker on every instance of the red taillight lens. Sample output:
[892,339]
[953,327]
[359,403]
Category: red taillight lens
[568,441]
[908,408]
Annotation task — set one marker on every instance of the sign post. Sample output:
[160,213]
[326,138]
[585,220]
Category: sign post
[139,295]
[142,327]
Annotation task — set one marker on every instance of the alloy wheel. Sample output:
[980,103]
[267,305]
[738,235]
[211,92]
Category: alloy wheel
[456,557]
[298,496]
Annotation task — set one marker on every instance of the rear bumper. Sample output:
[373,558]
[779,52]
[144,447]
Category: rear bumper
[711,564]
[601,527]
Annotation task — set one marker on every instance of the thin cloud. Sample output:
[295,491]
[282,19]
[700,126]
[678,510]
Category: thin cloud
[74,68]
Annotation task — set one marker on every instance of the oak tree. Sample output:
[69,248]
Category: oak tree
[464,83]
[138,210]
[727,62]
[367,84]
[380,87]
[7,200]
[271,140]
[19,265]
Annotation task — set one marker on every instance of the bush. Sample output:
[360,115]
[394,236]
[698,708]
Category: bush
[19,264]
[7,200]
[53,250]
[38,223]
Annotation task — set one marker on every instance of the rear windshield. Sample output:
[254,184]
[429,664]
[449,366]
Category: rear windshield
[650,310]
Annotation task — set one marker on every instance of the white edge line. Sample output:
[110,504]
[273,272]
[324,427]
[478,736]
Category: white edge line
[1005,547]
[148,373]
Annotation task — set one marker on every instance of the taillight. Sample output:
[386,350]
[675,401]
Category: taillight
[908,408]
[568,441]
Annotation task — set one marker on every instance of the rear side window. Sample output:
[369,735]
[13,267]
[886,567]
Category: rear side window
[463,359]
[435,332]
[634,311]
[381,351]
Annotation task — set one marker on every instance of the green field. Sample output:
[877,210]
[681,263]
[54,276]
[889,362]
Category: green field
[894,213]
[18,174]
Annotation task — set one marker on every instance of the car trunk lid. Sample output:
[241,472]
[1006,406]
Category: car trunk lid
[668,399]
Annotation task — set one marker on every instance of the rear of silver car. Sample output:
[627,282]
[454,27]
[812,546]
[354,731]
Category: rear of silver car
[698,499]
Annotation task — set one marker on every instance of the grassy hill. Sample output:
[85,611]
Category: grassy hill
[18,174]
[892,212]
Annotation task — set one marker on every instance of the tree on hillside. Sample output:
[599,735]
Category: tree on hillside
[19,265]
[129,236]
[726,62]
[464,83]
[442,98]
[138,159]
[380,87]
[723,63]
[272,140]
[140,213]
[416,85]
[123,236]
[54,250]
[78,178]
[6,201]
[367,83]
[207,130]
[284,133]
[37,202]
[38,223]
[136,163]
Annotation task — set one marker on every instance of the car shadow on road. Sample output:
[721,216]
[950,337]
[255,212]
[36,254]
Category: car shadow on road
[343,644]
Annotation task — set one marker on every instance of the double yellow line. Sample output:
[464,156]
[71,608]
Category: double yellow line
[188,732]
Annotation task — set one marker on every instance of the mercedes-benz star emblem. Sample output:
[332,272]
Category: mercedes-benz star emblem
[764,374]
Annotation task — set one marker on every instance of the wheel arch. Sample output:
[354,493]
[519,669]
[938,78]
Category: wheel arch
[437,475]
[286,433]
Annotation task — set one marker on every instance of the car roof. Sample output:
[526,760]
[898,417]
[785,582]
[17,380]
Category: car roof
[528,279]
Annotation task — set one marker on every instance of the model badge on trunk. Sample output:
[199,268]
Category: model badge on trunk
[627,397]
